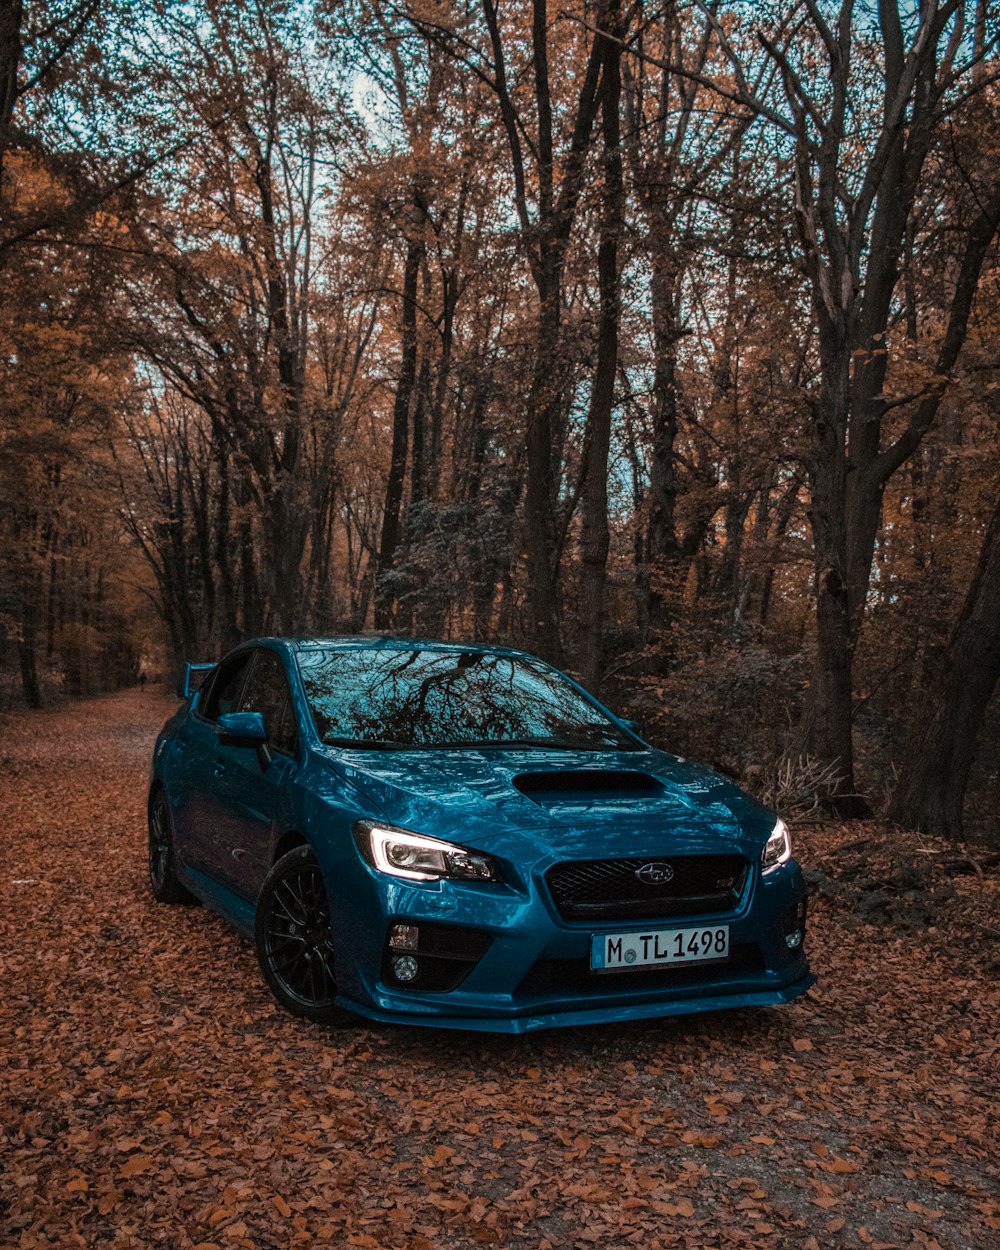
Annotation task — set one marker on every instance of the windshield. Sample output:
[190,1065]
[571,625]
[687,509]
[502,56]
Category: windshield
[402,697]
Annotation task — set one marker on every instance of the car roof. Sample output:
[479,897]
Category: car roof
[384,642]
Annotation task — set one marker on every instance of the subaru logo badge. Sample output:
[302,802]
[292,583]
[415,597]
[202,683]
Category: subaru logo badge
[655,874]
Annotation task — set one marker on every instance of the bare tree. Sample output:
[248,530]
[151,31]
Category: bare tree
[858,175]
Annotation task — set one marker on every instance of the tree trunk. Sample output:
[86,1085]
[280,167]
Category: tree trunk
[10,59]
[662,547]
[931,790]
[540,482]
[595,539]
[285,519]
[27,648]
[830,711]
[400,436]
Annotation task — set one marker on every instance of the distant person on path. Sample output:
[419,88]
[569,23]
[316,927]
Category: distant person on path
[142,681]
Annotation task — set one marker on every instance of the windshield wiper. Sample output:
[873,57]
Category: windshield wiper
[370,744]
[500,744]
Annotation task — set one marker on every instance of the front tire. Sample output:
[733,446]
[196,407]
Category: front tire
[163,879]
[293,937]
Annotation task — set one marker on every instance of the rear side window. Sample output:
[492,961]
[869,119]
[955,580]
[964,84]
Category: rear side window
[226,686]
[267,692]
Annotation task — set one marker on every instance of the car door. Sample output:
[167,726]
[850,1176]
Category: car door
[250,783]
[193,782]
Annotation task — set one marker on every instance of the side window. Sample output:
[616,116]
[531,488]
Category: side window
[226,686]
[267,691]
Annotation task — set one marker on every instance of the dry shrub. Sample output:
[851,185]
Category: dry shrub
[800,784]
[735,706]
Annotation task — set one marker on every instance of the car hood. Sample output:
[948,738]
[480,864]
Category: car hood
[577,804]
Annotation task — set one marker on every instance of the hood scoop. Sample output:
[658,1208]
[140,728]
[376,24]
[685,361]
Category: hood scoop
[587,785]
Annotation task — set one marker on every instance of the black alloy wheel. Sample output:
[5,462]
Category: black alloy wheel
[162,864]
[294,940]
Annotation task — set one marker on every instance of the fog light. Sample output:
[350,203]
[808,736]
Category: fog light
[403,937]
[793,940]
[405,968]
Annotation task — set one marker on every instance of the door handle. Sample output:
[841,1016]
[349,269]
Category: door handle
[218,768]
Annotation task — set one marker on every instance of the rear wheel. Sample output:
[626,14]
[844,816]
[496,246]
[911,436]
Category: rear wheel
[294,940]
[162,863]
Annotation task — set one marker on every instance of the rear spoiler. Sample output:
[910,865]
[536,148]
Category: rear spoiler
[187,686]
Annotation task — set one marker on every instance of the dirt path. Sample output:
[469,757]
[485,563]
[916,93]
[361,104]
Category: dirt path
[151,1094]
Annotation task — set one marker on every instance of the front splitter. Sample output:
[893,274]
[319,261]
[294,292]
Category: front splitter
[531,1021]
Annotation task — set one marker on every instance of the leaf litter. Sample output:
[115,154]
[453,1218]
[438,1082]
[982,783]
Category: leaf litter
[152,1094]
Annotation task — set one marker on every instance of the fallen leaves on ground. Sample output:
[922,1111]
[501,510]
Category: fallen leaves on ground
[151,1094]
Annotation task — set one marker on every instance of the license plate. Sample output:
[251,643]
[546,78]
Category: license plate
[657,948]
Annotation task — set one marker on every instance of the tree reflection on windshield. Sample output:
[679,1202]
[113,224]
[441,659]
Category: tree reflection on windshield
[394,697]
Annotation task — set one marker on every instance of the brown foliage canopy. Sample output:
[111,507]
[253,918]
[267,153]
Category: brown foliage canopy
[662,339]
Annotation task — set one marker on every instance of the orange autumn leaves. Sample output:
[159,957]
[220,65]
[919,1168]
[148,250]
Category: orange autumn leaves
[153,1095]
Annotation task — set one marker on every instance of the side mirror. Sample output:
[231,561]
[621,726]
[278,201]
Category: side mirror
[242,729]
[632,726]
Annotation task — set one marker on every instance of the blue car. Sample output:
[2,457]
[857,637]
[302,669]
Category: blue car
[456,835]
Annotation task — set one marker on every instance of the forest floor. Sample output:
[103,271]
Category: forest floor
[151,1094]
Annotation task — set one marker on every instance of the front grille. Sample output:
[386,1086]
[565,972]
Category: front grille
[567,976]
[608,889]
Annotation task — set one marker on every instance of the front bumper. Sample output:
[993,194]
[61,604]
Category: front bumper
[535,972]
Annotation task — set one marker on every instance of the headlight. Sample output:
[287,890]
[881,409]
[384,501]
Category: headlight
[777,849]
[417,858]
